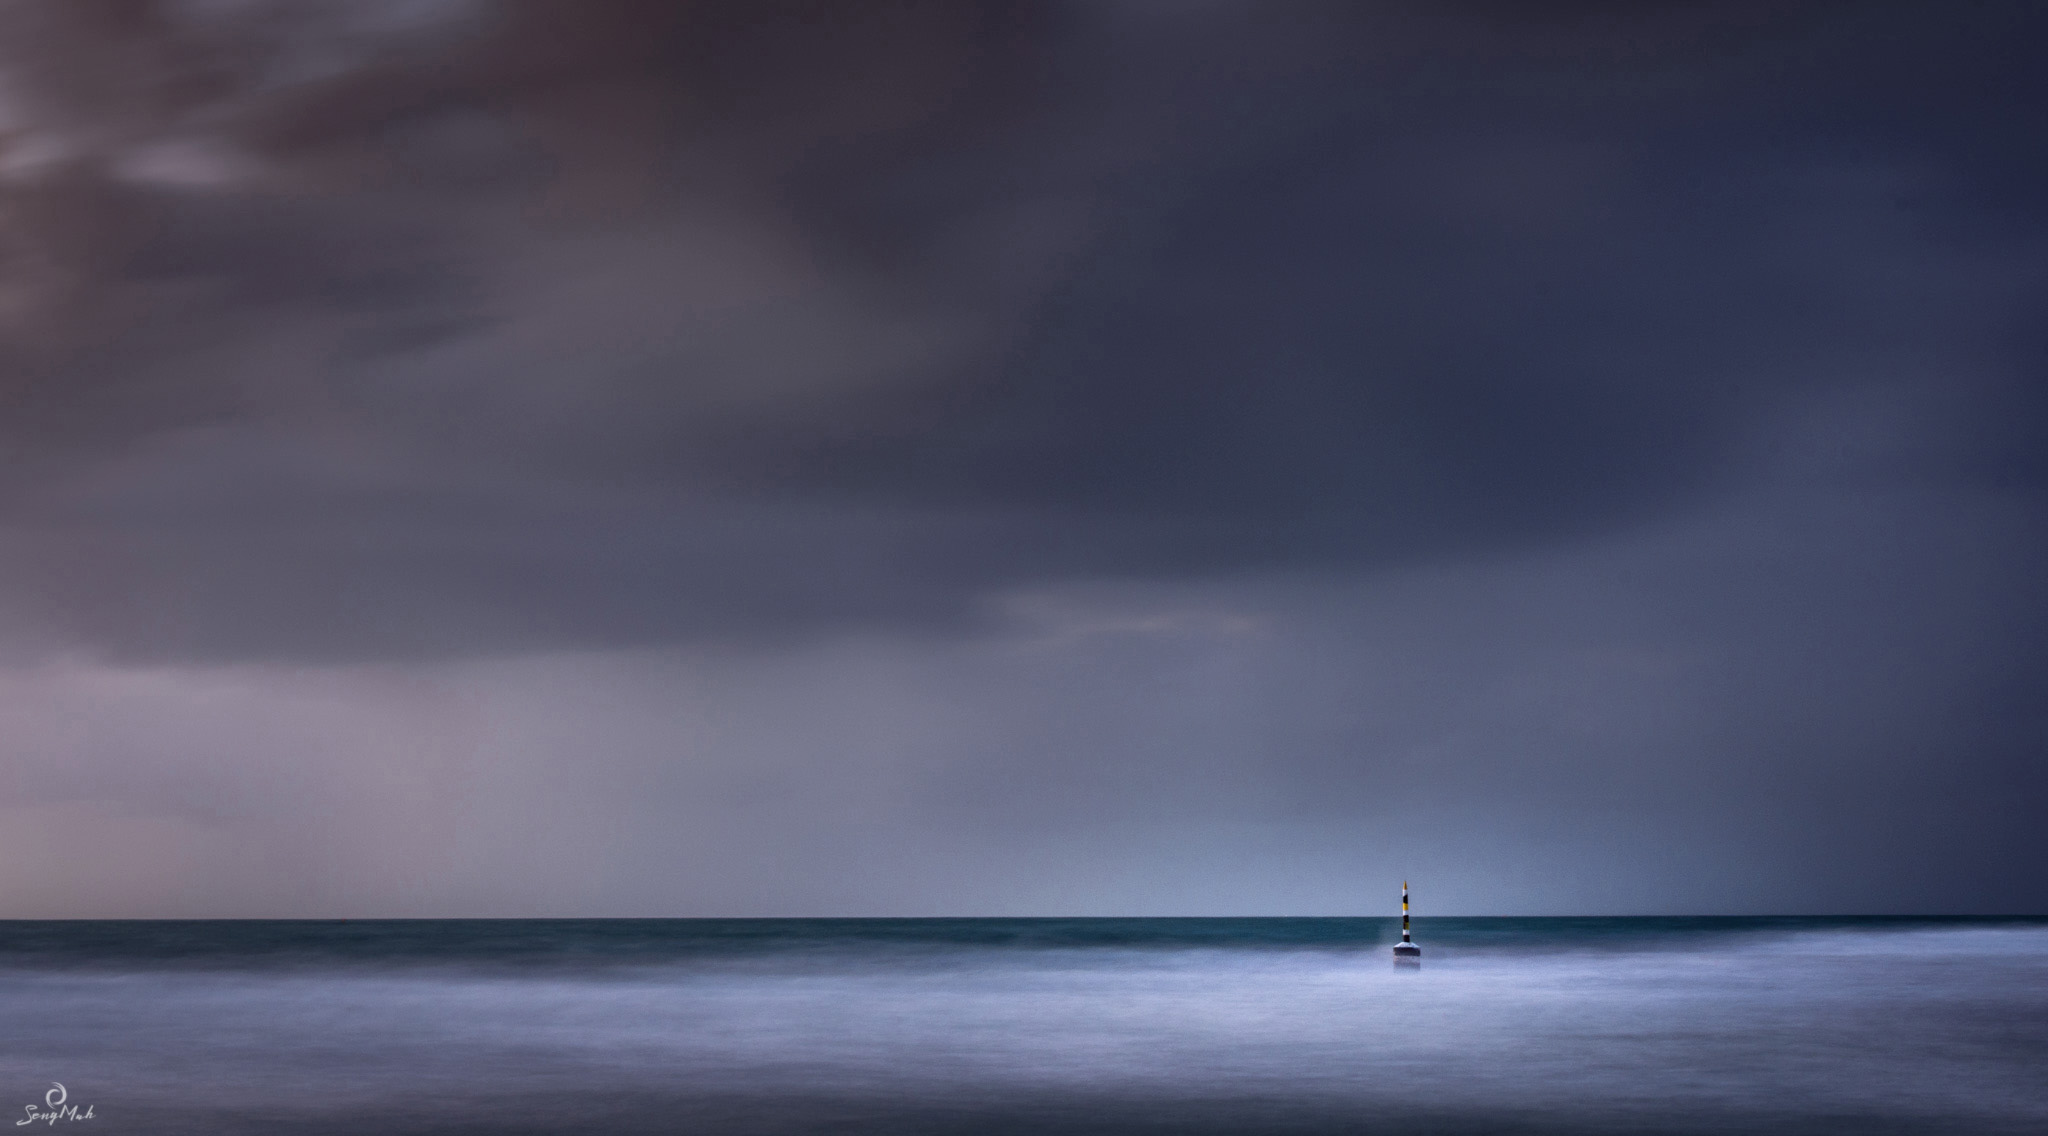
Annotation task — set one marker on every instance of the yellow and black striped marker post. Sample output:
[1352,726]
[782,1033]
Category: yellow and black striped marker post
[1406,951]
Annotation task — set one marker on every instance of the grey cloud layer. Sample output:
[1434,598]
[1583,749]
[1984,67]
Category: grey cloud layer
[359,331]
[735,458]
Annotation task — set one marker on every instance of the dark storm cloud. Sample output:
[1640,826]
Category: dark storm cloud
[363,330]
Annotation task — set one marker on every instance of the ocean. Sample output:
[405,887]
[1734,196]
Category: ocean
[1532,1026]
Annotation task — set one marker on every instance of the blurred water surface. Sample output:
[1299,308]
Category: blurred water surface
[1014,1025]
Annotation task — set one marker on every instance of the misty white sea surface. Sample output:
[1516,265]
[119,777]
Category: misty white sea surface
[1109,1026]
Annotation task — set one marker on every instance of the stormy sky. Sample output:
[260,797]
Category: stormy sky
[1114,457]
